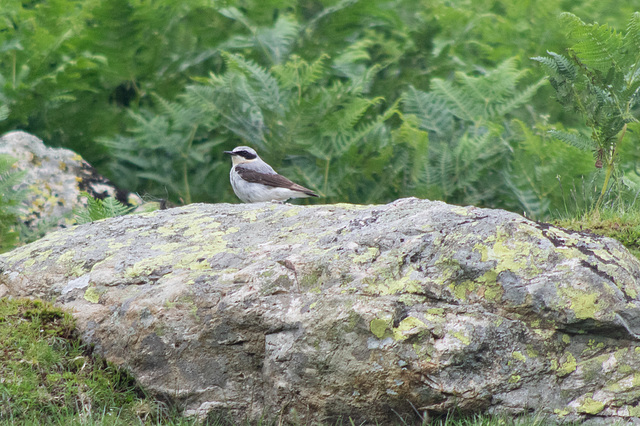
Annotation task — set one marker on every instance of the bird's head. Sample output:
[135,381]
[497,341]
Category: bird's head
[242,154]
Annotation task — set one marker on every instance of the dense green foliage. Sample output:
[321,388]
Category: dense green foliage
[362,101]
[9,203]
[599,80]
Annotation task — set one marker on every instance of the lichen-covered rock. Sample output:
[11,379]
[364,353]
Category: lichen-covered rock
[54,179]
[363,311]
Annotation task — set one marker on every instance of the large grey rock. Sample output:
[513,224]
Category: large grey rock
[54,180]
[371,312]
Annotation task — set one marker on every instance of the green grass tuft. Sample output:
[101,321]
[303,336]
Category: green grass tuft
[624,226]
[47,376]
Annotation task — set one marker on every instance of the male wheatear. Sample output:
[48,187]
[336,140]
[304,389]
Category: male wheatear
[255,181]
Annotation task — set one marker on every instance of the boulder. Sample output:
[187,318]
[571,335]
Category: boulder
[370,312]
[54,179]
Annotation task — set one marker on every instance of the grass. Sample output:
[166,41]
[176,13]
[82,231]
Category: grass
[47,376]
[624,226]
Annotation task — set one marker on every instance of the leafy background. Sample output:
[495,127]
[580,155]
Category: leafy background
[362,101]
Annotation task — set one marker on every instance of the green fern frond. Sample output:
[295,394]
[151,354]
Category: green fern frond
[597,46]
[297,72]
[347,115]
[520,98]
[494,86]
[457,101]
[532,204]
[431,110]
[97,209]
[235,14]
[632,37]
[279,40]
[4,112]
[579,141]
[267,84]
[9,177]
[558,65]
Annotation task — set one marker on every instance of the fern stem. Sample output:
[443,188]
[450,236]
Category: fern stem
[13,76]
[185,174]
[326,174]
[610,164]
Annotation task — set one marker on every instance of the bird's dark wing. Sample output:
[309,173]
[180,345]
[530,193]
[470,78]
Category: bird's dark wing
[274,180]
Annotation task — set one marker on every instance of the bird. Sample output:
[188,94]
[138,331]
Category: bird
[254,181]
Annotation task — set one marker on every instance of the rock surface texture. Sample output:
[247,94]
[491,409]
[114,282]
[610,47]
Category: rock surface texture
[368,312]
[54,179]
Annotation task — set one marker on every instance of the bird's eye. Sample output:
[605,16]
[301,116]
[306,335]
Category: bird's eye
[246,154]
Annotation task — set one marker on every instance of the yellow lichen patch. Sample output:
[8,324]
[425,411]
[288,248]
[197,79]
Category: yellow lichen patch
[518,355]
[585,304]
[461,290]
[378,327]
[250,215]
[462,337]
[168,247]
[193,261]
[197,226]
[514,378]
[462,211]
[370,254]
[590,406]
[92,295]
[513,254]
[115,245]
[408,327]
[568,366]
[403,285]
[293,211]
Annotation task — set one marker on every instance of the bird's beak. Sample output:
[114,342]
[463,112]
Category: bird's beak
[229,152]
